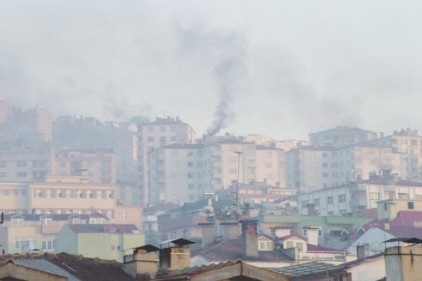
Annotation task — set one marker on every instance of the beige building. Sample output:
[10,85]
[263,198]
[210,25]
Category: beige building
[151,135]
[28,232]
[100,164]
[232,160]
[72,194]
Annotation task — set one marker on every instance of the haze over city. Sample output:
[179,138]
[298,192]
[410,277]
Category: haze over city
[280,68]
[210,140]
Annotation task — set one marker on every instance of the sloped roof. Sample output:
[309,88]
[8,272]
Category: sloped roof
[233,270]
[305,268]
[104,228]
[316,248]
[46,266]
[229,250]
[84,269]
[406,218]
[297,235]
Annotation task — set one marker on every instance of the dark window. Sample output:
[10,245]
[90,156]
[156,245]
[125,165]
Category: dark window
[410,205]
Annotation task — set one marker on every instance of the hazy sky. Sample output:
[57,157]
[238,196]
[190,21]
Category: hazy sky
[281,68]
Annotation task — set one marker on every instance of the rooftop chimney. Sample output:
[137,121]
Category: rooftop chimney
[360,250]
[143,260]
[208,234]
[175,256]
[249,237]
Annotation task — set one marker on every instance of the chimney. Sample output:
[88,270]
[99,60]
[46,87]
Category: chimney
[312,235]
[175,256]
[360,250]
[230,230]
[249,237]
[143,261]
[207,230]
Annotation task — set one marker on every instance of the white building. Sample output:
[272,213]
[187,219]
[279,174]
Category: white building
[151,135]
[355,196]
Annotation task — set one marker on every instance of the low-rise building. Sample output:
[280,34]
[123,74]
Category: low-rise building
[104,241]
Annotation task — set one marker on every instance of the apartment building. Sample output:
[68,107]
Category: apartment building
[341,136]
[176,173]
[151,135]
[25,161]
[357,196]
[22,233]
[312,168]
[182,173]
[408,143]
[232,160]
[99,164]
[72,194]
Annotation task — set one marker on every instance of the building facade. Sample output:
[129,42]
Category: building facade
[151,135]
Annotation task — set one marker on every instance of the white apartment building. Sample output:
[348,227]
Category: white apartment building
[356,196]
[151,135]
[176,174]
[312,168]
[182,173]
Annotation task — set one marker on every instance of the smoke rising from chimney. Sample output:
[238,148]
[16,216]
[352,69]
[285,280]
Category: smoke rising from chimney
[224,55]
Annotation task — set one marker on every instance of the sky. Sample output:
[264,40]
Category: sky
[278,68]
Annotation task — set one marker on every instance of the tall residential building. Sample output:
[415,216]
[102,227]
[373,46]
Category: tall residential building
[100,164]
[312,168]
[24,161]
[176,173]
[340,136]
[182,173]
[151,135]
[408,143]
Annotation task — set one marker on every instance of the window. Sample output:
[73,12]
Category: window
[190,175]
[374,196]
[264,246]
[16,221]
[3,164]
[21,174]
[47,221]
[21,164]
[150,139]
[330,200]
[410,205]
[316,202]
[162,129]
[48,245]
[3,174]
[342,198]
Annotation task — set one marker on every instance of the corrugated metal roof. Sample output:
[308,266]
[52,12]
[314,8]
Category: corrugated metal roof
[46,266]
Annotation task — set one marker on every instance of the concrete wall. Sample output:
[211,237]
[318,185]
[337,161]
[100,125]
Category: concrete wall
[403,263]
